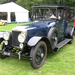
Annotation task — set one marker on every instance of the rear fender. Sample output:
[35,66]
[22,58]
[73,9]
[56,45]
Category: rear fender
[70,31]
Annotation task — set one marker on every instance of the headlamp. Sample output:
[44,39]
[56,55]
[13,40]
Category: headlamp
[21,46]
[6,42]
[6,36]
[21,38]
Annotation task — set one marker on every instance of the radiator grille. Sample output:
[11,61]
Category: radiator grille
[15,41]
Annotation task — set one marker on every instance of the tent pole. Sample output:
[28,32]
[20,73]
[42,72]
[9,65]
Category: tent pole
[8,17]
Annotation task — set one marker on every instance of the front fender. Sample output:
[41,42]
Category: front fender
[1,34]
[33,41]
[1,37]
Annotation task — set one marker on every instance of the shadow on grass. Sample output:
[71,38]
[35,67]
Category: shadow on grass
[16,63]
[51,54]
[24,63]
[3,56]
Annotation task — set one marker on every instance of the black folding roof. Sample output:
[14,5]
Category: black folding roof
[50,6]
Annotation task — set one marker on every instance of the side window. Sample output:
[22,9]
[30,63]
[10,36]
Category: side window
[65,15]
[60,14]
[70,15]
[74,14]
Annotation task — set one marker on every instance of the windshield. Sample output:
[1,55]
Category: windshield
[44,13]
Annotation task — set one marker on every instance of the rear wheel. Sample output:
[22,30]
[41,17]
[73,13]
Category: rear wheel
[38,54]
[53,37]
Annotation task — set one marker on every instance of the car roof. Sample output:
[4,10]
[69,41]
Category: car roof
[51,6]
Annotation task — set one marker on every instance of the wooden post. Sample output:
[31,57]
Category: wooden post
[18,23]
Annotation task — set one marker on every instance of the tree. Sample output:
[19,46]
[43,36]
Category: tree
[6,1]
[1,1]
[29,3]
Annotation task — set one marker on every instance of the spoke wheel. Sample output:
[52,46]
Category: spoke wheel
[53,37]
[54,40]
[38,54]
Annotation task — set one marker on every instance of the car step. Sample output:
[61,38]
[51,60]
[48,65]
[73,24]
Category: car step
[62,43]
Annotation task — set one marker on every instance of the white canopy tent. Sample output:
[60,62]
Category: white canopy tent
[21,14]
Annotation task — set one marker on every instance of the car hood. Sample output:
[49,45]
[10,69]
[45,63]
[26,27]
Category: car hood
[34,25]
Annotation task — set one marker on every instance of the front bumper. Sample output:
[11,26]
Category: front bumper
[15,52]
[8,53]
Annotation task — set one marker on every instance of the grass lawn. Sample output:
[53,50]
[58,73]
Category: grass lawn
[9,27]
[60,63]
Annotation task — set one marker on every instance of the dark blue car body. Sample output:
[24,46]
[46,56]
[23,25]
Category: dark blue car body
[51,29]
[41,28]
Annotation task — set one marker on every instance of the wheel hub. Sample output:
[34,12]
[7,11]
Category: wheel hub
[73,36]
[42,55]
[55,38]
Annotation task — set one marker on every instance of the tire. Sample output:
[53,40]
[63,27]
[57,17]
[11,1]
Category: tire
[38,54]
[53,37]
[5,23]
[3,46]
[1,40]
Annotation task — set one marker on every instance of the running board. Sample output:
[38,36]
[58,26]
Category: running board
[61,44]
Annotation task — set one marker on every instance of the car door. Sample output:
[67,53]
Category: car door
[60,27]
[60,23]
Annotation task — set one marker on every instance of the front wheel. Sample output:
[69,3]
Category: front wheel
[38,54]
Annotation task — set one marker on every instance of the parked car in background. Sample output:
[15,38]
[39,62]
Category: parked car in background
[52,28]
[3,22]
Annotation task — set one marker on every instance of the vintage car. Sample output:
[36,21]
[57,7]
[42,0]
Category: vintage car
[52,28]
[3,22]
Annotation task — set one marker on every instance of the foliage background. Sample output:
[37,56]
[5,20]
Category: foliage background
[29,3]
